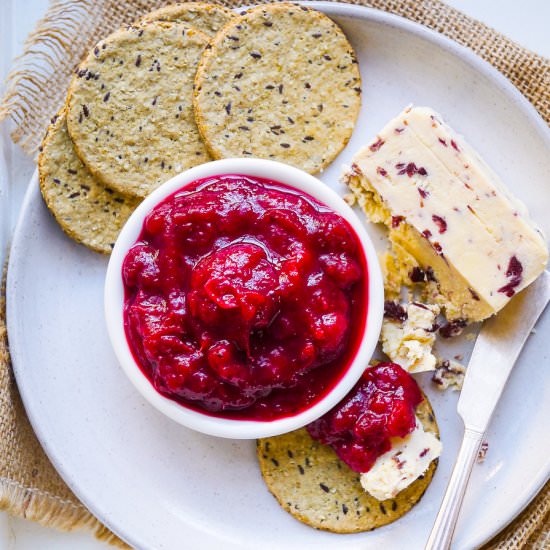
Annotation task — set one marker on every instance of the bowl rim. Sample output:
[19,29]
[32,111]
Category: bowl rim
[114,300]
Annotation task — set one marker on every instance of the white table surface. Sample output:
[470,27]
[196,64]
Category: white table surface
[525,21]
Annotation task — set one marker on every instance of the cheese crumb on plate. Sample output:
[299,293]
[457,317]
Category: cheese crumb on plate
[408,341]
[449,374]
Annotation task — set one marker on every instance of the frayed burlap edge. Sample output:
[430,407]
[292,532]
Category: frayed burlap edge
[530,530]
[51,511]
[36,88]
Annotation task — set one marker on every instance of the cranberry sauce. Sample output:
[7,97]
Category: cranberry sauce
[380,406]
[244,298]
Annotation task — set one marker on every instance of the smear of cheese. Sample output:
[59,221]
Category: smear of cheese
[448,210]
[410,343]
[407,460]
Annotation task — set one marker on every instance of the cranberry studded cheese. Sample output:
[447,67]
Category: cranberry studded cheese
[448,213]
[405,462]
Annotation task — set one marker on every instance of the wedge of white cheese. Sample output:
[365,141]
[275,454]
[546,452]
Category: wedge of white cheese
[407,460]
[409,343]
[450,212]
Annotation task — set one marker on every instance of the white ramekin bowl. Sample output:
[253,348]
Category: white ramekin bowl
[114,300]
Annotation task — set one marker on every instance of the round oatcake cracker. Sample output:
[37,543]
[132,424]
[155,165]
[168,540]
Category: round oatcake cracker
[207,18]
[88,212]
[316,487]
[282,82]
[130,106]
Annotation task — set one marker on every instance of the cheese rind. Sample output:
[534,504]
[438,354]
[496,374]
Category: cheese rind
[407,460]
[445,207]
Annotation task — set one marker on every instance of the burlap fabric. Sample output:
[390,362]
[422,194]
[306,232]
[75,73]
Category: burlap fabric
[29,485]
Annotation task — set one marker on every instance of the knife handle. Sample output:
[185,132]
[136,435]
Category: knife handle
[444,526]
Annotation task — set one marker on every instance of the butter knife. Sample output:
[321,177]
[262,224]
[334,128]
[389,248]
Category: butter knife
[497,348]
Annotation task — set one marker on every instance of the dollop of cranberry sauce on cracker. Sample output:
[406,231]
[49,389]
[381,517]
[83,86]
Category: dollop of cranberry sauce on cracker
[244,298]
[380,406]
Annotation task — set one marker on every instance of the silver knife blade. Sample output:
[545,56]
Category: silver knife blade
[496,350]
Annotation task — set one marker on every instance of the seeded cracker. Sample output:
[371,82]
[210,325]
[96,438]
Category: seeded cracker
[279,82]
[207,18]
[130,106]
[317,488]
[88,212]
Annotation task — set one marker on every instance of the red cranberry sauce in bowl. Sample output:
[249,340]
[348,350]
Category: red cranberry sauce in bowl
[244,298]
[380,406]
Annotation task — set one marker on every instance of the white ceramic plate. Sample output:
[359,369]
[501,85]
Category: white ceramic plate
[159,485]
